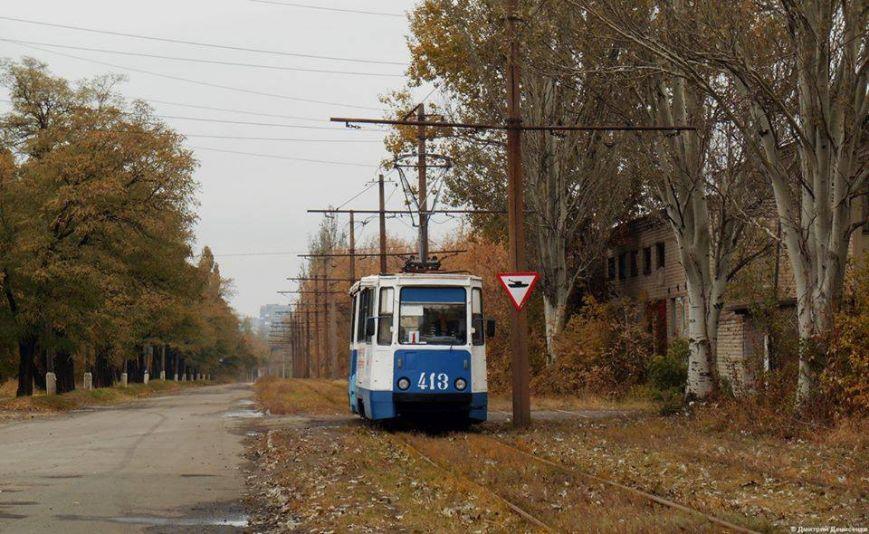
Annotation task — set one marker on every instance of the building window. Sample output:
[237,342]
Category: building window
[634,270]
[659,248]
[647,260]
[611,268]
[623,266]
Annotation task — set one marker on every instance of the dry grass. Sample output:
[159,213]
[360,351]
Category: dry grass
[351,479]
[8,389]
[298,396]
[759,480]
[774,482]
[47,404]
[580,402]
[566,502]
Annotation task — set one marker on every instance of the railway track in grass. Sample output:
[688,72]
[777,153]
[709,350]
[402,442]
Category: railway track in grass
[400,441]
[523,513]
[662,501]
[571,470]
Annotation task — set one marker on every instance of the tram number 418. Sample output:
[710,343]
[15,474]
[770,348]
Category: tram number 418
[433,381]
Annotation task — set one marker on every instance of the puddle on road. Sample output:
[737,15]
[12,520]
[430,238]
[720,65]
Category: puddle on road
[246,402]
[231,520]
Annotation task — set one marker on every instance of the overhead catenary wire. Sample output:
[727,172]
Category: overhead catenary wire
[251,123]
[288,158]
[200,43]
[205,61]
[230,110]
[331,9]
[199,82]
[280,139]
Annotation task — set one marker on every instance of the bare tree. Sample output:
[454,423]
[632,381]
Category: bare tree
[801,71]
[574,188]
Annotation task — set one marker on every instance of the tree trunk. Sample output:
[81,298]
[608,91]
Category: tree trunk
[555,317]
[26,350]
[701,380]
[64,369]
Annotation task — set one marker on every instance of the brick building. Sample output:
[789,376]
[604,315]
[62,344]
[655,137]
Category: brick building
[643,264]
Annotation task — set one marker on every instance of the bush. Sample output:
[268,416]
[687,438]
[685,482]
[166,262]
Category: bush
[845,381]
[668,374]
[603,349]
[670,371]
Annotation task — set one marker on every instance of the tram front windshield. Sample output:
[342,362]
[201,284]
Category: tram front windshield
[433,316]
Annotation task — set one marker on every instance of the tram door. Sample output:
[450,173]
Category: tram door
[361,310]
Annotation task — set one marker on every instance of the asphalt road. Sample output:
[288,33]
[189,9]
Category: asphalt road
[168,464]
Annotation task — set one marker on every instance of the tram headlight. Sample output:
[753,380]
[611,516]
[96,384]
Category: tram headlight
[403,384]
[461,384]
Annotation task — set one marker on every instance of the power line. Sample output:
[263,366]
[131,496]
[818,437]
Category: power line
[197,82]
[206,61]
[228,110]
[282,139]
[199,43]
[289,158]
[245,138]
[334,9]
[250,123]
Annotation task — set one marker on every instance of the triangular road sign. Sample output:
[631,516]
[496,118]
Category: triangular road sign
[519,286]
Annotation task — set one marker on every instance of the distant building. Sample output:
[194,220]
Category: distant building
[268,315]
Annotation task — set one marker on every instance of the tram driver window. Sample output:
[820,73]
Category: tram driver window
[477,333]
[433,316]
[384,316]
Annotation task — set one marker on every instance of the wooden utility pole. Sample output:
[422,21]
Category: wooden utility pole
[331,328]
[516,224]
[423,187]
[383,267]
[308,357]
[315,354]
[515,193]
[323,308]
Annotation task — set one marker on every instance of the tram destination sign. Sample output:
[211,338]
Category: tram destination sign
[519,286]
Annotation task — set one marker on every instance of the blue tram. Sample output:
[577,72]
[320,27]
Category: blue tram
[418,346]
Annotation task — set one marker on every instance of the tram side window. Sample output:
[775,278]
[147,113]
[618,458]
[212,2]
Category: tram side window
[364,313]
[384,328]
[478,335]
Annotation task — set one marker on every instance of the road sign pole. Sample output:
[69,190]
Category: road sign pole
[516,223]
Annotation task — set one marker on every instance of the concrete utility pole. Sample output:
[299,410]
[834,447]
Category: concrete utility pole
[422,197]
[383,267]
[516,224]
[352,248]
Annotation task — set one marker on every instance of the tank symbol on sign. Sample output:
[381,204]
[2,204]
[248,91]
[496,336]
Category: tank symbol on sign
[519,286]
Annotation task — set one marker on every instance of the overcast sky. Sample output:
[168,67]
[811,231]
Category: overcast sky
[249,205]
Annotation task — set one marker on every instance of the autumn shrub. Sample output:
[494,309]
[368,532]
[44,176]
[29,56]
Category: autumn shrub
[603,350]
[667,375]
[845,381]
[670,371]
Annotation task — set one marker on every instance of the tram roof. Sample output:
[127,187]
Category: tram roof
[416,278]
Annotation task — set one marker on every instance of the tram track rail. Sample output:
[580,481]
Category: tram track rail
[509,504]
[663,501]
[570,470]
